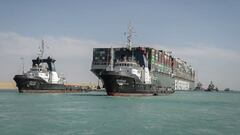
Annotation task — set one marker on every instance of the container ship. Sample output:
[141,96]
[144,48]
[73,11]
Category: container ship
[140,70]
[43,78]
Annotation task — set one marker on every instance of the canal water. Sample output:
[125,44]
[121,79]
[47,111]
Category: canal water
[182,113]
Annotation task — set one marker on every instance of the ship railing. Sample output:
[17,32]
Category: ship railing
[127,64]
[100,63]
[39,69]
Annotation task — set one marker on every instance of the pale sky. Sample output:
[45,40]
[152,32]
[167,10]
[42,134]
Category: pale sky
[206,33]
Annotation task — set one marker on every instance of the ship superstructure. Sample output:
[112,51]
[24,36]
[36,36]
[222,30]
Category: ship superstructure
[141,70]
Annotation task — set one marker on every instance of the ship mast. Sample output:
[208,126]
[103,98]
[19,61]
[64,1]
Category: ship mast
[112,59]
[129,36]
[41,50]
[22,59]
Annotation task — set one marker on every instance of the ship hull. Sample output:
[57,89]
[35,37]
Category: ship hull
[122,84]
[38,85]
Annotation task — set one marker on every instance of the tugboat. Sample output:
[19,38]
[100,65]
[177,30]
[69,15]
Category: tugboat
[43,78]
[125,79]
[199,87]
[211,87]
[227,89]
[127,71]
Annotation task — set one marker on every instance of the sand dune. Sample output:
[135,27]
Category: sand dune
[12,85]
[7,85]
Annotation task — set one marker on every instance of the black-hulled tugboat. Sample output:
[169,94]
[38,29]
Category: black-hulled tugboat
[211,87]
[127,77]
[227,89]
[43,78]
[140,70]
[199,87]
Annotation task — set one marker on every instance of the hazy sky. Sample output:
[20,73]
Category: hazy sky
[206,33]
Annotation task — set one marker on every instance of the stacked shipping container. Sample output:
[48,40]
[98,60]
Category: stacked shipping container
[101,56]
[163,62]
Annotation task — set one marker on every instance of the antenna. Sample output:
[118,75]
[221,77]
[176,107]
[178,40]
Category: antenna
[22,60]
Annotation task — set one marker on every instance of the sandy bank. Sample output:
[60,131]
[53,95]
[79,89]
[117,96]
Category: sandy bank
[7,85]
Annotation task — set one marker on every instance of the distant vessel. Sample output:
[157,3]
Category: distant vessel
[227,89]
[199,87]
[42,77]
[211,87]
[140,70]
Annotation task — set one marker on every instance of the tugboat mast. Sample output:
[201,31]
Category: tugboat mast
[41,50]
[22,59]
[129,36]
[112,59]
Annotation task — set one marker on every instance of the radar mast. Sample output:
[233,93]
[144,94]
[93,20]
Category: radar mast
[22,60]
[41,50]
[129,36]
